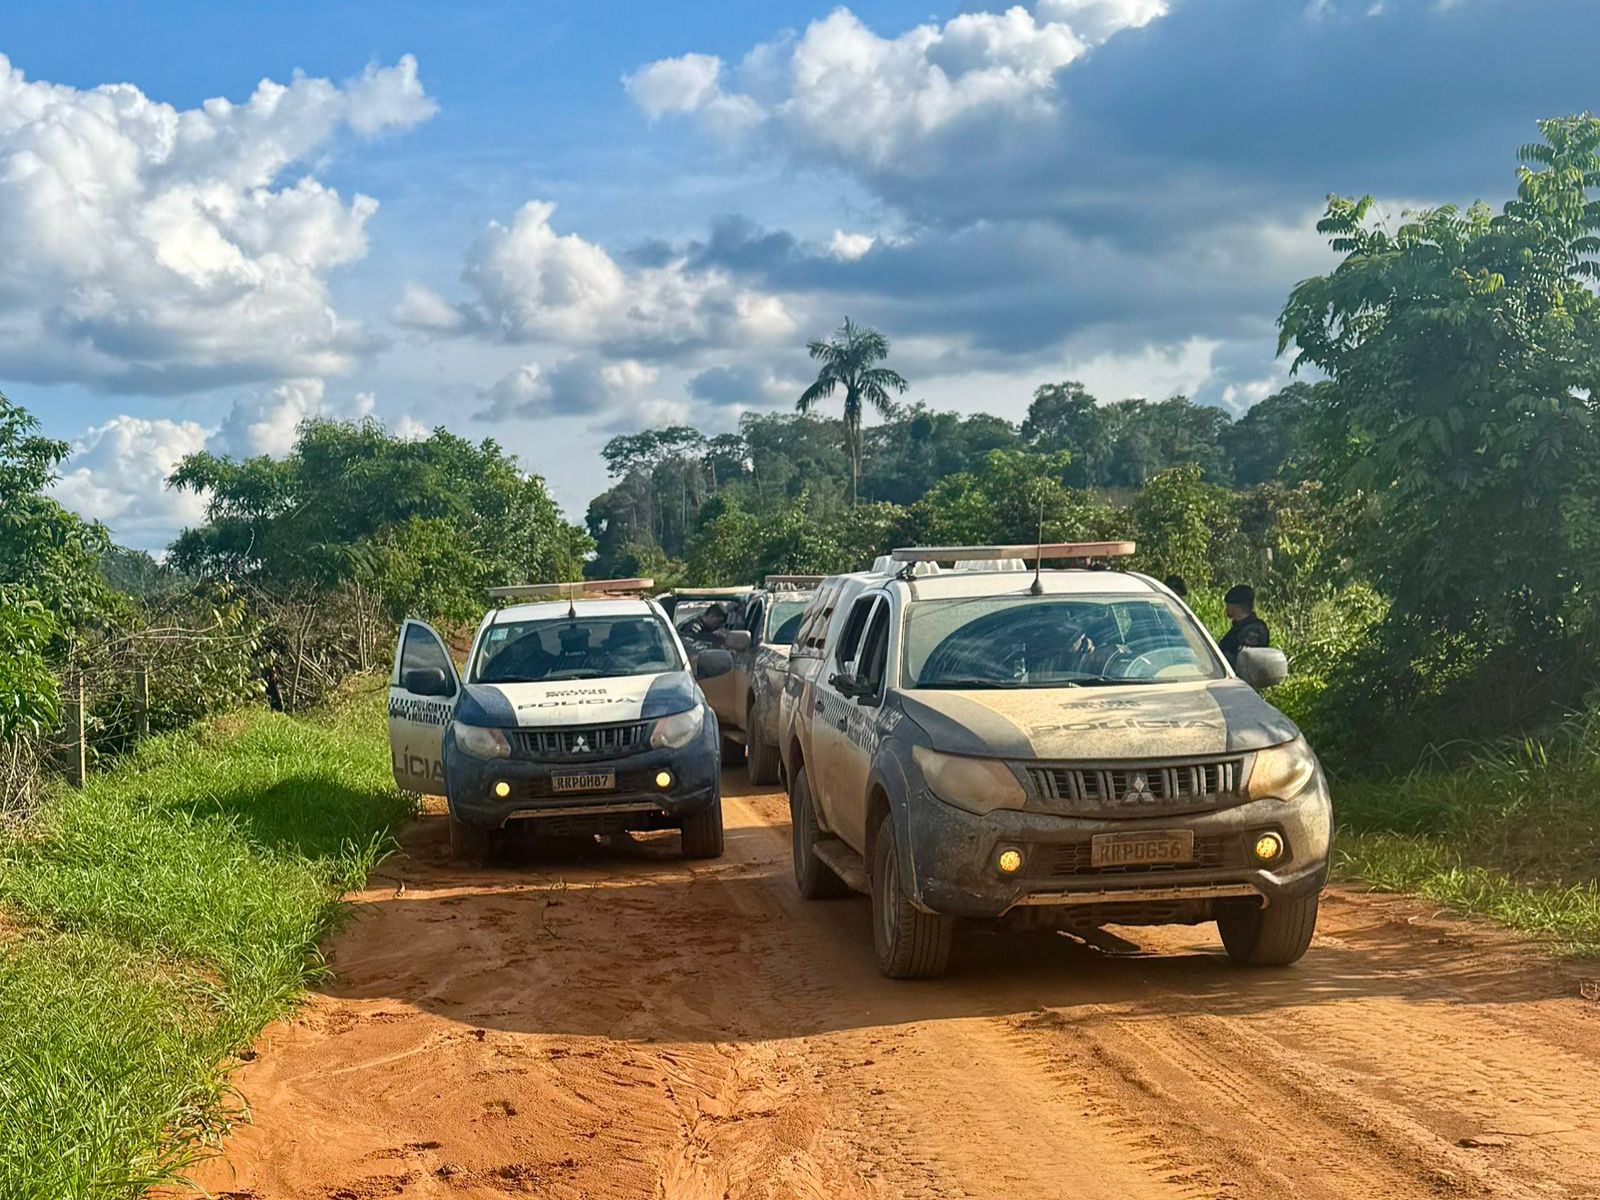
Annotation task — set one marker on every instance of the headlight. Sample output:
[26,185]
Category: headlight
[1283,771]
[481,742]
[979,785]
[678,730]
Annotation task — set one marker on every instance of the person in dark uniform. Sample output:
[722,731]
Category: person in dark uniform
[1177,586]
[705,631]
[1248,630]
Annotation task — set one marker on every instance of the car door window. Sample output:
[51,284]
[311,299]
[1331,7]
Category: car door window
[757,615]
[874,658]
[855,624]
[421,650]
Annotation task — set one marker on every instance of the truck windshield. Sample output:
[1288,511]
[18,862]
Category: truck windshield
[1053,641]
[783,620]
[574,648]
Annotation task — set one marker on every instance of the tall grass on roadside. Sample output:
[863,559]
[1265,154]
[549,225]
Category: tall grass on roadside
[152,923]
[1513,833]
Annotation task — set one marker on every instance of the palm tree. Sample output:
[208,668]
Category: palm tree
[848,359]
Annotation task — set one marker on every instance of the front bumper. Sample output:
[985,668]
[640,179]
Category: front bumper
[953,860]
[636,802]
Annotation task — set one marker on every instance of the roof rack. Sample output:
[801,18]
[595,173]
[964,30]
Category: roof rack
[1027,551]
[793,581]
[579,589]
[709,593]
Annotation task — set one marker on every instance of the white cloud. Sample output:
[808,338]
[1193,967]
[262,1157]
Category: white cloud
[577,385]
[117,474]
[847,247]
[533,283]
[266,422]
[152,248]
[423,308]
[889,103]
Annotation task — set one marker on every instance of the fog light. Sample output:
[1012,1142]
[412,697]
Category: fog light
[1268,847]
[1010,861]
[663,779]
[502,789]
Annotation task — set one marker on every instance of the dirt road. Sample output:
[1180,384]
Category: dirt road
[612,1023]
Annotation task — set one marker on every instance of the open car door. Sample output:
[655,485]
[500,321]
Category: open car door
[423,686]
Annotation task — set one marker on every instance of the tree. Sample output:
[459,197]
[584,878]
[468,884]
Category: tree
[1269,439]
[1464,349]
[848,359]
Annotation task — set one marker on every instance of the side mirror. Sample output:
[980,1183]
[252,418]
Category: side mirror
[426,681]
[737,641]
[851,687]
[712,663]
[1262,666]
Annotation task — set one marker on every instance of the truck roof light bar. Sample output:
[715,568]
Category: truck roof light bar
[709,593]
[793,581]
[576,590]
[1025,551]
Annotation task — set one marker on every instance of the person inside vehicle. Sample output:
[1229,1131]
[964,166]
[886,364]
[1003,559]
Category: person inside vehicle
[1247,630]
[705,631]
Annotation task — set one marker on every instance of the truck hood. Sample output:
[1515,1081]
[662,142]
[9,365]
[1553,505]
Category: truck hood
[1221,716]
[611,701]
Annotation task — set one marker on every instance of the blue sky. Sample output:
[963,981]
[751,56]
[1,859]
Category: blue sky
[551,222]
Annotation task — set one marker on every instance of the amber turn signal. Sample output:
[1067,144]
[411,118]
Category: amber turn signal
[1010,861]
[1268,847]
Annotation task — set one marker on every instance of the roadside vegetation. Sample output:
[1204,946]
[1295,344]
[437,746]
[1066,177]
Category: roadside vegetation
[151,925]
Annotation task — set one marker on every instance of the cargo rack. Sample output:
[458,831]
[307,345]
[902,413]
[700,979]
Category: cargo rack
[1036,551]
[777,582]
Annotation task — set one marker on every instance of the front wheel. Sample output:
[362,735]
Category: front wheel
[1274,936]
[908,943]
[702,833]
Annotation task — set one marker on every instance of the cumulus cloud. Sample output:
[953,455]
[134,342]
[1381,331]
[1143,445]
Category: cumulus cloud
[893,104]
[847,247]
[532,283]
[421,307]
[744,387]
[157,249]
[581,384]
[117,474]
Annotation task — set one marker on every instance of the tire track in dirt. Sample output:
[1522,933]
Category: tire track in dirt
[612,1022]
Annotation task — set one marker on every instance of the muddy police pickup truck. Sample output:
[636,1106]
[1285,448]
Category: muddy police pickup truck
[968,737]
[576,714]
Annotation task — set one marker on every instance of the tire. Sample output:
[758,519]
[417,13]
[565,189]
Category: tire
[702,833]
[907,942]
[1274,936]
[812,876]
[732,752]
[470,843]
[761,763]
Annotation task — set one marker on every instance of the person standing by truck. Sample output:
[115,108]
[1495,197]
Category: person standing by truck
[1247,630]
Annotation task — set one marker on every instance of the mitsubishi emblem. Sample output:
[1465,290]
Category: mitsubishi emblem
[1139,790]
[580,744]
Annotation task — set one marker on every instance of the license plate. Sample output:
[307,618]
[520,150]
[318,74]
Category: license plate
[1141,849]
[587,781]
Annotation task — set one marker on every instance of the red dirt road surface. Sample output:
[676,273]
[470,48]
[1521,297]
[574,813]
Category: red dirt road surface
[612,1022]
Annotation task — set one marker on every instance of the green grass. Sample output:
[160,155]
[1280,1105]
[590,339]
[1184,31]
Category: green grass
[1512,834]
[152,923]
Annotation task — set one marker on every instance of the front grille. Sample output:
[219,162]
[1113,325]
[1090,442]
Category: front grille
[1071,860]
[603,741]
[1130,790]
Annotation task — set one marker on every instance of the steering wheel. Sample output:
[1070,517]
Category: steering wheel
[1131,668]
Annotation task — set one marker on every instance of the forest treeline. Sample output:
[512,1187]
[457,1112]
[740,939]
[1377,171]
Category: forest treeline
[1419,510]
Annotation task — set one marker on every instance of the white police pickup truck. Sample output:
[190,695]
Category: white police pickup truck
[965,738]
[574,715]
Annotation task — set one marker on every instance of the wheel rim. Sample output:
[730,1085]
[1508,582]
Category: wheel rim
[889,889]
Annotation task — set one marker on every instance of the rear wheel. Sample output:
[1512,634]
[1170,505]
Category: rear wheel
[761,761]
[702,833]
[1274,936]
[812,876]
[908,943]
[469,843]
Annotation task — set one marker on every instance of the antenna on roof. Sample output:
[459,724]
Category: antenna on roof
[572,605]
[1036,588]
